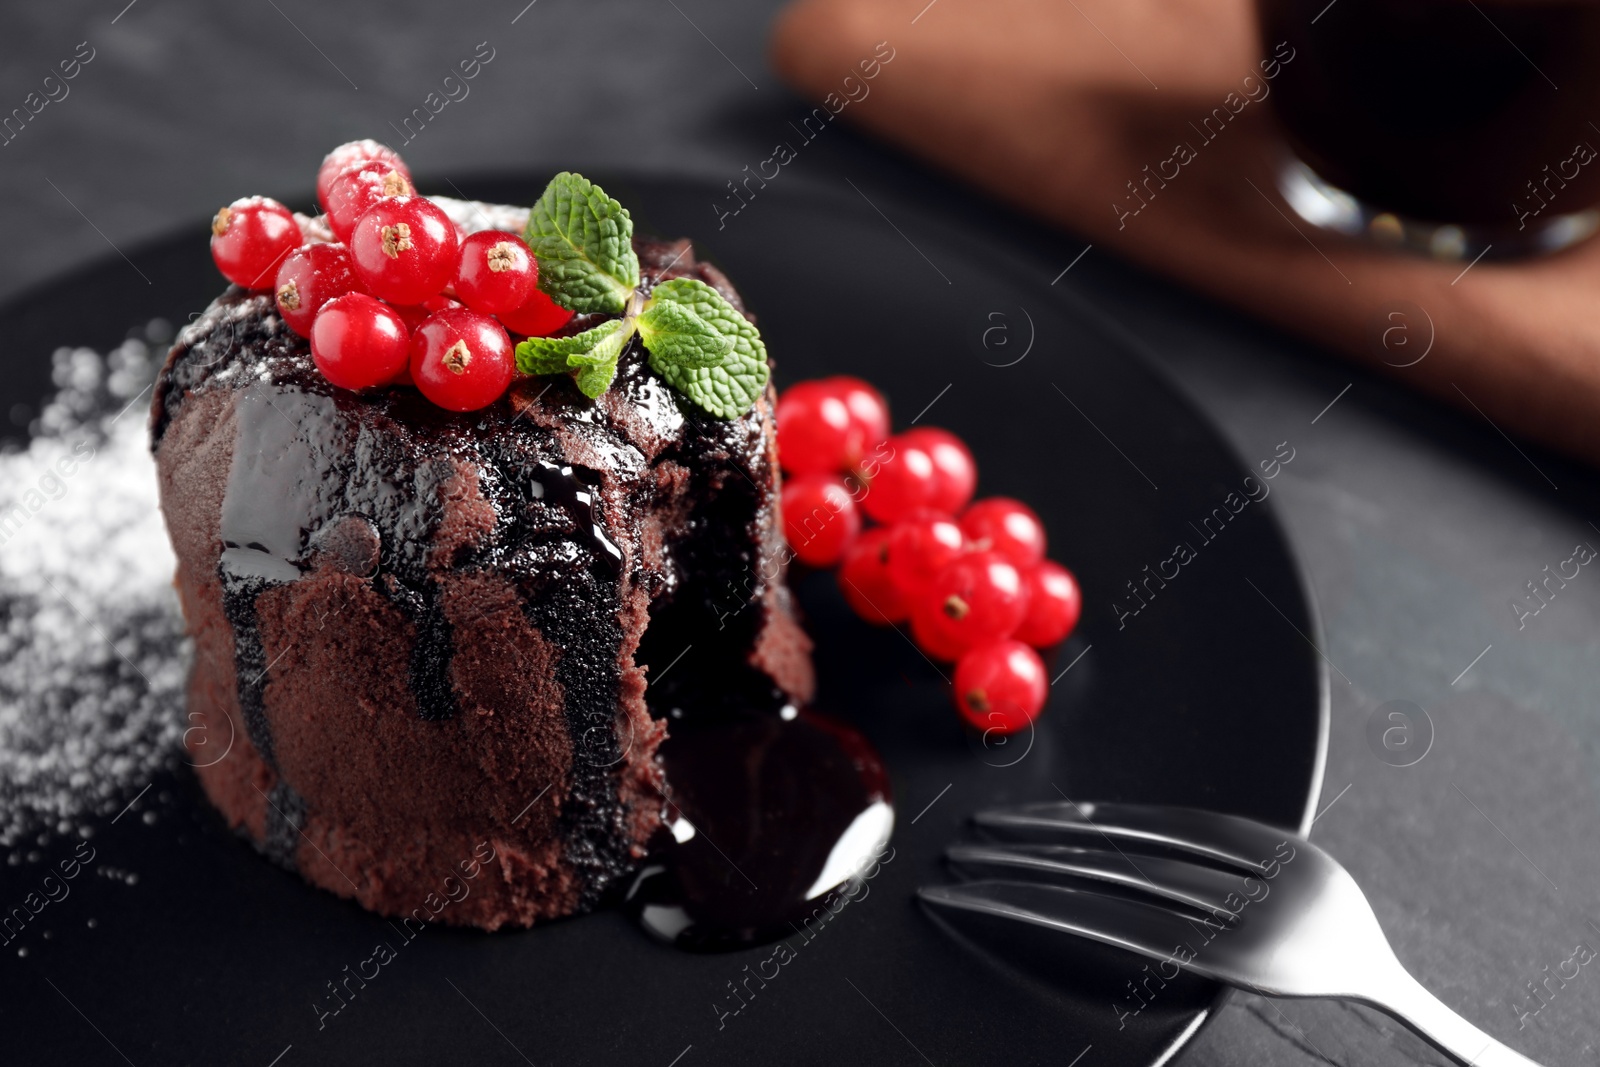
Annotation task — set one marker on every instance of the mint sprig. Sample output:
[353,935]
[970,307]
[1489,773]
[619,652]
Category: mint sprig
[592,353]
[584,243]
[698,342]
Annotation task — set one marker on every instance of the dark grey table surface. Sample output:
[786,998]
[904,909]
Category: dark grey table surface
[1418,525]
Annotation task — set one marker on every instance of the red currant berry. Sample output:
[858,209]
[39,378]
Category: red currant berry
[414,315]
[899,485]
[311,276]
[358,342]
[539,316]
[358,189]
[819,518]
[816,434]
[461,360]
[1054,604]
[348,155]
[868,410]
[980,597]
[933,641]
[250,238]
[920,548]
[1000,686]
[1006,526]
[864,580]
[497,272]
[955,471]
[404,249]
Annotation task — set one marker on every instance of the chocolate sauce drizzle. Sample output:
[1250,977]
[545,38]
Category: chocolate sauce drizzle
[316,476]
[769,815]
[297,473]
[563,487]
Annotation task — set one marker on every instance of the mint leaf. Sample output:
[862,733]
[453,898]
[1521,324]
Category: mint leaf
[592,353]
[728,387]
[595,379]
[583,240]
[551,355]
[598,365]
[672,331]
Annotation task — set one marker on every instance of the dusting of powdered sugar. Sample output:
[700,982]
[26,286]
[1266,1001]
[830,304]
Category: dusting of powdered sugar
[470,216]
[474,215]
[92,654]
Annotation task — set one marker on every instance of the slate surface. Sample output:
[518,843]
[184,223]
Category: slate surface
[1419,526]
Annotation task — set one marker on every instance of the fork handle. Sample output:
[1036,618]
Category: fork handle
[1408,1001]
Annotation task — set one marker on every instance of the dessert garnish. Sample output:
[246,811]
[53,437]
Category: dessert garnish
[250,237]
[697,341]
[459,297]
[971,578]
[461,360]
[311,276]
[497,273]
[358,341]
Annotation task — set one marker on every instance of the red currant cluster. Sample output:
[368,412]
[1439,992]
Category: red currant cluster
[971,578]
[400,296]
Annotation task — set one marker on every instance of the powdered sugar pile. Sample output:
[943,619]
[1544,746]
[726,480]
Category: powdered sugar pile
[92,658]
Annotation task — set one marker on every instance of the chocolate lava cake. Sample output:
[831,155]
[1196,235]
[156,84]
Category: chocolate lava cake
[423,640]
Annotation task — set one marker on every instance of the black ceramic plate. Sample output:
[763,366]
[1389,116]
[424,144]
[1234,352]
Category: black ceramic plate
[1210,695]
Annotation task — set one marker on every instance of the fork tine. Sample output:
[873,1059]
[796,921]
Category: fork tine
[1206,889]
[1227,839]
[1147,929]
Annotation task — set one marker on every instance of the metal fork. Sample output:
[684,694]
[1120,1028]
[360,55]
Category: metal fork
[1221,896]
